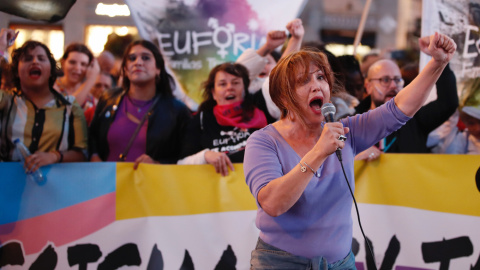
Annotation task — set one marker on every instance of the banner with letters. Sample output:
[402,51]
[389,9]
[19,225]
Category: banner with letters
[196,35]
[460,20]
[418,211]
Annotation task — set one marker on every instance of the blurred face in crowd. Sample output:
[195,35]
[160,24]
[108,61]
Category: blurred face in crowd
[228,88]
[34,68]
[355,85]
[270,64]
[313,91]
[104,82]
[75,67]
[383,81]
[106,61]
[140,66]
[472,124]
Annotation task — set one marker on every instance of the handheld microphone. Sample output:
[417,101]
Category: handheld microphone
[328,111]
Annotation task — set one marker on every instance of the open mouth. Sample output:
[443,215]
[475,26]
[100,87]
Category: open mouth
[230,97]
[316,104]
[35,72]
[391,95]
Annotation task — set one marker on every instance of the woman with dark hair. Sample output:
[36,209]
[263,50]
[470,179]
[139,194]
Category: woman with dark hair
[141,121]
[225,119]
[354,81]
[80,70]
[52,126]
[304,204]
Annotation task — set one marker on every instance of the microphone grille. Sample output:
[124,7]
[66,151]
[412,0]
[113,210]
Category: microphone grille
[328,108]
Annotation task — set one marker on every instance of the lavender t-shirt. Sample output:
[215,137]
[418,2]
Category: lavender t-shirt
[319,223]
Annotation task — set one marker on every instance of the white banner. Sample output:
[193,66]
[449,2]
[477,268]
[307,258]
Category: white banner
[196,35]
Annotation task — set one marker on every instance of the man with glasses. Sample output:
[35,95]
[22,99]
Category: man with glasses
[383,82]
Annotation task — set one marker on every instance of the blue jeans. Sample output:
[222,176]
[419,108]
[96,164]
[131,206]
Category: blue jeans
[266,256]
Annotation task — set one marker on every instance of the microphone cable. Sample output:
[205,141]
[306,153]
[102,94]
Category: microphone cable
[339,156]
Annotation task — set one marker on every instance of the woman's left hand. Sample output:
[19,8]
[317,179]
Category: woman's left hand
[439,46]
[143,159]
[39,159]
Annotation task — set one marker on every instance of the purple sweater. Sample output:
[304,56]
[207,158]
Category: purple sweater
[319,223]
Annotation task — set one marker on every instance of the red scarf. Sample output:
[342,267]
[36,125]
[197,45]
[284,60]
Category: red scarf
[231,115]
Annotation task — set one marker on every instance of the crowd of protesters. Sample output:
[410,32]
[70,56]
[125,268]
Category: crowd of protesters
[80,112]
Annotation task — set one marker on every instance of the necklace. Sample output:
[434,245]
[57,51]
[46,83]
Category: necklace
[139,105]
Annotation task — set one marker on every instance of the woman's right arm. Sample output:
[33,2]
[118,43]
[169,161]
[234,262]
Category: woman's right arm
[295,27]
[280,194]
[275,191]
[82,92]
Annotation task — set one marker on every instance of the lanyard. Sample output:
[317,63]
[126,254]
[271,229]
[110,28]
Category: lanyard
[389,145]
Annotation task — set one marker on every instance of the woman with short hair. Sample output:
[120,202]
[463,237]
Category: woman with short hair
[304,203]
[52,126]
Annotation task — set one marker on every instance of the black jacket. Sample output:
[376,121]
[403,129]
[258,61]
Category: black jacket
[205,132]
[166,127]
[412,137]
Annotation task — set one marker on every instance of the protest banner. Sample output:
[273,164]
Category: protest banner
[460,20]
[417,211]
[196,35]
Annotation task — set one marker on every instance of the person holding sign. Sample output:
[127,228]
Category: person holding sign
[304,204]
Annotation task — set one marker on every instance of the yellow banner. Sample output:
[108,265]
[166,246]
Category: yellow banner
[442,183]
[171,190]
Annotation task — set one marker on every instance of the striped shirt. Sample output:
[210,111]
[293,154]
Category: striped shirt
[58,125]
